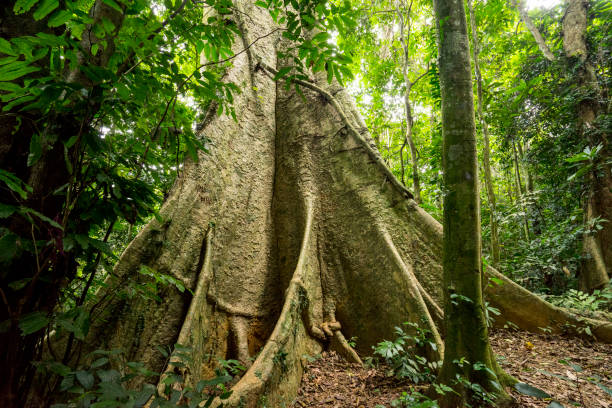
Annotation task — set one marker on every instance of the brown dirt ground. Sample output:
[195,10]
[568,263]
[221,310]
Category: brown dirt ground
[540,360]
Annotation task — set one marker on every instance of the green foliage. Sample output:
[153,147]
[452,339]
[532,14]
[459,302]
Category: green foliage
[599,300]
[549,261]
[318,52]
[107,94]
[413,400]
[105,383]
[404,354]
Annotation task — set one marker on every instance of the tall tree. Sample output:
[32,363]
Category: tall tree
[290,232]
[292,235]
[405,26]
[465,322]
[486,150]
[597,203]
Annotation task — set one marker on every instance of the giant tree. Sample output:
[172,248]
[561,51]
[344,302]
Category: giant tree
[290,232]
[291,235]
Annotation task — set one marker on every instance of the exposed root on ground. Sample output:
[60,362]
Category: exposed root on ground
[292,236]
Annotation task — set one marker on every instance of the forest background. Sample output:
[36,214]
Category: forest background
[73,206]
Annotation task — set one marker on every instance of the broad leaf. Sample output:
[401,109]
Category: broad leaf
[530,390]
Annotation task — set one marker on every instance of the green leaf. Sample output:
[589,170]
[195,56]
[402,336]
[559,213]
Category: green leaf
[555,404]
[59,368]
[322,36]
[45,8]
[497,281]
[10,87]
[25,210]
[330,72]
[282,72]
[33,322]
[531,391]
[35,149]
[22,6]
[113,4]
[9,247]
[108,375]
[142,396]
[603,387]
[102,247]
[17,69]
[6,47]
[15,184]
[7,210]
[85,378]
[59,18]
[99,362]
[215,381]
[191,147]
[20,284]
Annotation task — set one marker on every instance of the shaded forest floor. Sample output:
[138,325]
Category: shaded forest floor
[566,368]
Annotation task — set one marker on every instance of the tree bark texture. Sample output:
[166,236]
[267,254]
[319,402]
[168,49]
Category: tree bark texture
[465,324]
[292,236]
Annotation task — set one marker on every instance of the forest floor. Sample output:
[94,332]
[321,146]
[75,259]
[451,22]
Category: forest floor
[568,369]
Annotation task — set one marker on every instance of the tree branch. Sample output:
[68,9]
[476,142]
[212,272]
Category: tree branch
[534,31]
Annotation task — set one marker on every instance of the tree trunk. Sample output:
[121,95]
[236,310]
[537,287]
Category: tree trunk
[597,244]
[464,312]
[292,235]
[521,198]
[405,41]
[486,152]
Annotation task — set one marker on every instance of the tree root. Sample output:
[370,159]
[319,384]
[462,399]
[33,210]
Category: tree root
[419,294]
[530,312]
[240,326]
[277,364]
[338,342]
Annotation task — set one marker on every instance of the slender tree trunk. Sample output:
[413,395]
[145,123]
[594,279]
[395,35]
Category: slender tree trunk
[534,31]
[486,152]
[520,191]
[416,181]
[464,316]
[405,41]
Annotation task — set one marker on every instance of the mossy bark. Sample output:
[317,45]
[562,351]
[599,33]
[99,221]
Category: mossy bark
[465,324]
[292,236]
